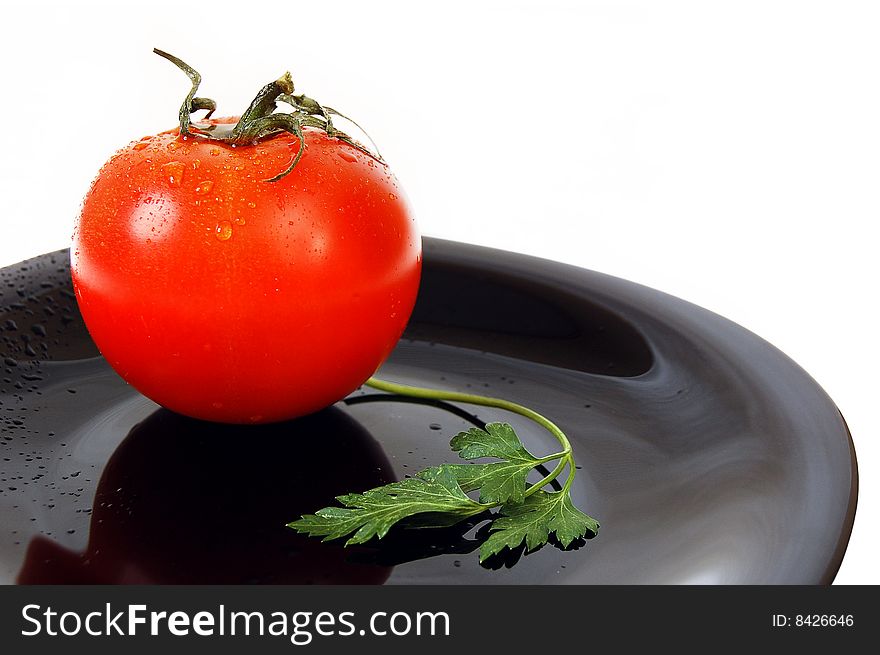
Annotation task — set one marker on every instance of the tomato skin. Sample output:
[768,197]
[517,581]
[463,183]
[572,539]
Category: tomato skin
[228,298]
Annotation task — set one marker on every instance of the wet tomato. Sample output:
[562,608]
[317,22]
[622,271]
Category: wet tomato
[227,297]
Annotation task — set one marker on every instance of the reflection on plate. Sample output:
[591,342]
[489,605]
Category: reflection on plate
[707,455]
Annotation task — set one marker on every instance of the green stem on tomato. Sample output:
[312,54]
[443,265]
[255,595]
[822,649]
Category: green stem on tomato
[565,456]
[261,121]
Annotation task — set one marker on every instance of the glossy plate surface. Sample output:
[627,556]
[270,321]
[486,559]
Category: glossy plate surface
[707,455]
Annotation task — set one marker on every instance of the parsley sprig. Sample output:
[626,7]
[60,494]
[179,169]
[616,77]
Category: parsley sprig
[438,496]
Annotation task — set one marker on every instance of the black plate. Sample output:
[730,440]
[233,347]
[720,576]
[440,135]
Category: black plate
[707,455]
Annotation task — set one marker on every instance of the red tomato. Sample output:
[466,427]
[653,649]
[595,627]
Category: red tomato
[229,298]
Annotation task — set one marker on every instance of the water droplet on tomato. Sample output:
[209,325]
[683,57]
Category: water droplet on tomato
[392,196]
[173,170]
[214,151]
[239,220]
[139,146]
[173,146]
[252,205]
[223,230]
[204,187]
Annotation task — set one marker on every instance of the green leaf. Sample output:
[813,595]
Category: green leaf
[372,513]
[534,519]
[498,482]
[437,497]
[497,440]
[569,523]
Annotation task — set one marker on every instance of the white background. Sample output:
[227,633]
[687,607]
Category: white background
[725,152]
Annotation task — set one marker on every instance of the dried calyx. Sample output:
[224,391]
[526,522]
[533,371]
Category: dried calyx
[261,121]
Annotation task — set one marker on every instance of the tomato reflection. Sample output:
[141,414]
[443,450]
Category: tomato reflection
[183,501]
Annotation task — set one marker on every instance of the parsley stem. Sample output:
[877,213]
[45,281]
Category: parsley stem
[564,457]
